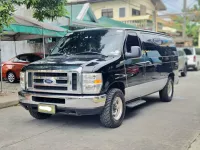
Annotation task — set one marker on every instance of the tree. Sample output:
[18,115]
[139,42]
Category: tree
[47,9]
[42,9]
[192,30]
[6,9]
[192,25]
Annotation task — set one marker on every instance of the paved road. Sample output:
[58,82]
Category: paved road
[153,126]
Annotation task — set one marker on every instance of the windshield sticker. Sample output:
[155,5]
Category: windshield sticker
[119,31]
[115,52]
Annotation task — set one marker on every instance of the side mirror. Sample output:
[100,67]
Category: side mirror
[135,52]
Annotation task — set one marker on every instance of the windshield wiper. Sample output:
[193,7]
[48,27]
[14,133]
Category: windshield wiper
[91,53]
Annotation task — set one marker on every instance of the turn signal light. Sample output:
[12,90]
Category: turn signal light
[97,81]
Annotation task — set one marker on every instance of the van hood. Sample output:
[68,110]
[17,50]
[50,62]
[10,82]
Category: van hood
[88,63]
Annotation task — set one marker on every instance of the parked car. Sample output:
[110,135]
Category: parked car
[100,71]
[182,60]
[11,69]
[193,58]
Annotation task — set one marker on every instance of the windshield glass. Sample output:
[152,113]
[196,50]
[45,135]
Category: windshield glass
[104,42]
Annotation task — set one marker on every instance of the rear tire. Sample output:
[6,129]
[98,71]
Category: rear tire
[38,115]
[184,73]
[114,109]
[11,77]
[166,94]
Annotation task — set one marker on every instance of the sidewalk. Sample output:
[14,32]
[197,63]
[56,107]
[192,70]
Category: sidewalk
[8,100]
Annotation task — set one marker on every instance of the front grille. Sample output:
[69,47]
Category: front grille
[50,88]
[30,79]
[49,74]
[48,100]
[74,81]
[53,81]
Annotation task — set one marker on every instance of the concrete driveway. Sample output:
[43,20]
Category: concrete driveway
[153,126]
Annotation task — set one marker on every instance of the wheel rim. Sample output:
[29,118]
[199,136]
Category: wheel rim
[11,77]
[117,108]
[170,89]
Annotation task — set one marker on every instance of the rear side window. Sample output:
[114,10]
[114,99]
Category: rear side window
[198,51]
[21,58]
[180,53]
[188,51]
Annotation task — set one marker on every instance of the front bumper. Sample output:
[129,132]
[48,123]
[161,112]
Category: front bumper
[72,104]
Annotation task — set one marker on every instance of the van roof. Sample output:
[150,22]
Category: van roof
[117,28]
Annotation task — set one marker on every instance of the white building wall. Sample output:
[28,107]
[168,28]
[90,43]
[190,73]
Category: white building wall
[8,48]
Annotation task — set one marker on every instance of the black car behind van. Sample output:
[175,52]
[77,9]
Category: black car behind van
[100,71]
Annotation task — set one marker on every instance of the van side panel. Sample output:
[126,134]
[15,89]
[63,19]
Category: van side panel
[161,58]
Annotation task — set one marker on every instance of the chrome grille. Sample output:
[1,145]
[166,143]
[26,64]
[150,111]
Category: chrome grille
[52,81]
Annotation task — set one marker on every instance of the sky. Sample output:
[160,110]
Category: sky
[175,6]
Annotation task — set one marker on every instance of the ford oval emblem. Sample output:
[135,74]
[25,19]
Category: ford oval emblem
[48,81]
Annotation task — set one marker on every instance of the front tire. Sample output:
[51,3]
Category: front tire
[114,109]
[38,115]
[11,77]
[166,94]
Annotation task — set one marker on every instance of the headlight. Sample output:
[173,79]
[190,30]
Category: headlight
[92,83]
[22,80]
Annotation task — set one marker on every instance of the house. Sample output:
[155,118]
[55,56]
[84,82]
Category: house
[138,13]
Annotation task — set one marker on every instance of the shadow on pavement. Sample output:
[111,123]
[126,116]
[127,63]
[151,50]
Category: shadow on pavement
[91,121]
[151,100]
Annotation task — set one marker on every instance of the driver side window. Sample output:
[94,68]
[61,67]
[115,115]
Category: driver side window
[132,40]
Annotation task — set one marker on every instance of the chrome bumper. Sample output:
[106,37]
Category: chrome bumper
[71,102]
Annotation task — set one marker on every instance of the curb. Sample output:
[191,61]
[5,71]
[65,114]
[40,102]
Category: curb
[9,104]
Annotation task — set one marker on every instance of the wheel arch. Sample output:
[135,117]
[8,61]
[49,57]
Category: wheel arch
[118,85]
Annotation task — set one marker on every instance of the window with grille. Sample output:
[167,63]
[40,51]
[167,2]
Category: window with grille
[135,12]
[107,13]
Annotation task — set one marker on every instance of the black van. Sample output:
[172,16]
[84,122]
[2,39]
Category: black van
[100,71]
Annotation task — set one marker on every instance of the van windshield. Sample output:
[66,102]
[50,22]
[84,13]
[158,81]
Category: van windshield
[93,42]
[188,51]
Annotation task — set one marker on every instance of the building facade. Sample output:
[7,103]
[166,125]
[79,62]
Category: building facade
[141,14]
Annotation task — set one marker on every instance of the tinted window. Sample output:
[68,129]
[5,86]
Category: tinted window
[33,58]
[188,51]
[132,40]
[21,58]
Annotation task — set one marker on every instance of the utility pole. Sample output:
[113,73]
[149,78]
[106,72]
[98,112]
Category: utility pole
[155,24]
[184,17]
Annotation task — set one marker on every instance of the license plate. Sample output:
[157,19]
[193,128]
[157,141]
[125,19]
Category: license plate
[47,109]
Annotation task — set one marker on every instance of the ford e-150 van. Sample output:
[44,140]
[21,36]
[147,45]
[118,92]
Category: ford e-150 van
[100,71]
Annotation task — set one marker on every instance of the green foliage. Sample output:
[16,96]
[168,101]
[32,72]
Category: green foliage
[42,9]
[192,26]
[47,9]
[6,9]
[192,30]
